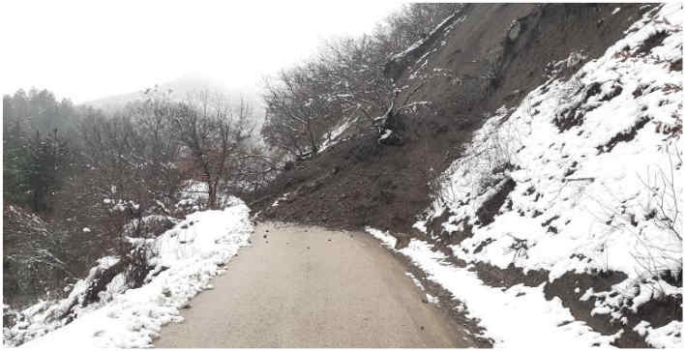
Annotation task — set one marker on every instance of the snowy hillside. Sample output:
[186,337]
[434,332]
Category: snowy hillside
[583,177]
[183,258]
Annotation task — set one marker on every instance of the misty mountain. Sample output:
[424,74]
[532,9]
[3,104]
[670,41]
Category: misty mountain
[179,89]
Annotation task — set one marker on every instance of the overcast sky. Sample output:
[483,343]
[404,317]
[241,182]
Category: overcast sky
[89,49]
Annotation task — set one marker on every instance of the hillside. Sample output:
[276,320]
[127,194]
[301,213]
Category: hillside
[468,69]
[465,175]
[531,144]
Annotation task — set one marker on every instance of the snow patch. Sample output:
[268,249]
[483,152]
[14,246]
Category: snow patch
[334,136]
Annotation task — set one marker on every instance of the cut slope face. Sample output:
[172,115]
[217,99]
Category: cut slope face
[583,177]
[484,56]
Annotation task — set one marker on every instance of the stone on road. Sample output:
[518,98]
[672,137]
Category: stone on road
[312,287]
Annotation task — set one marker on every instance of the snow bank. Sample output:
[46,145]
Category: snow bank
[516,317]
[186,258]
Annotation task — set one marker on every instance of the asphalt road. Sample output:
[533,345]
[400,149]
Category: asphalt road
[311,287]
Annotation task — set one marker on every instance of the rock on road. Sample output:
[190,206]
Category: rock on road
[311,287]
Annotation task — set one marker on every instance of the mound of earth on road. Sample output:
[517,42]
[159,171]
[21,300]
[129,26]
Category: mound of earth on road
[487,56]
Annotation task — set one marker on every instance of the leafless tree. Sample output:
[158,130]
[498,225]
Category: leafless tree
[344,82]
[212,134]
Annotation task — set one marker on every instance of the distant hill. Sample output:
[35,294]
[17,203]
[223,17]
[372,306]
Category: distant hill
[180,89]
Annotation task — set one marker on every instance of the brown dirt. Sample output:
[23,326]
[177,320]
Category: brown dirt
[360,182]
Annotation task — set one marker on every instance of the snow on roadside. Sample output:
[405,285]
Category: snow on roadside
[589,171]
[415,280]
[515,317]
[187,257]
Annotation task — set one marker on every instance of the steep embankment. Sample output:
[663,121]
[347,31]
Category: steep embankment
[483,57]
[577,189]
[538,151]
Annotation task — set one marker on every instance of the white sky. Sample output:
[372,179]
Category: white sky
[85,50]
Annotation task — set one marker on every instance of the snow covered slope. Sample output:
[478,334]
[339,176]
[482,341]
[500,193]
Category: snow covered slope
[185,258]
[583,177]
[546,323]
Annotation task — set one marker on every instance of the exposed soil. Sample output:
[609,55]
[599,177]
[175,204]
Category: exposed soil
[361,182]
[487,212]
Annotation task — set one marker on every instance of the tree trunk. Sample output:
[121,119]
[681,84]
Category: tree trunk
[212,194]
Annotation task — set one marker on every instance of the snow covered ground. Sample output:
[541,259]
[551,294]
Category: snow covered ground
[185,258]
[588,172]
[517,317]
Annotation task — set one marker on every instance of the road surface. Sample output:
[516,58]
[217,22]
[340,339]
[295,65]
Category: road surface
[311,287]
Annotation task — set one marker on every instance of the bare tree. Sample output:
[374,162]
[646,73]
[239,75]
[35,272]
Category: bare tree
[344,82]
[212,133]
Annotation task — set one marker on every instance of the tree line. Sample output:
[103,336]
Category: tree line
[86,175]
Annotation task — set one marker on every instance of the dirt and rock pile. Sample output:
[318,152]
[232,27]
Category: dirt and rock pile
[483,57]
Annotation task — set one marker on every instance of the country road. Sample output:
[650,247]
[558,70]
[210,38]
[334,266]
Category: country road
[312,287]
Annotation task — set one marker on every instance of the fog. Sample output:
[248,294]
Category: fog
[86,50]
